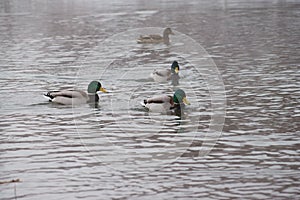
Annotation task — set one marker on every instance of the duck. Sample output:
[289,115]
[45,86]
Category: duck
[154,39]
[164,75]
[70,97]
[165,103]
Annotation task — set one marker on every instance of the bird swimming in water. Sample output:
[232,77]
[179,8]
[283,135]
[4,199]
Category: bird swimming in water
[155,39]
[164,75]
[69,97]
[165,103]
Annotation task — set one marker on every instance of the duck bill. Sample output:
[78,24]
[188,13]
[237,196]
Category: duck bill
[103,90]
[185,101]
[176,70]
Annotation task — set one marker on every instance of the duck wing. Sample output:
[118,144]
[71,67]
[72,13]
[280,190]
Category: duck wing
[158,99]
[156,37]
[150,39]
[67,97]
[161,103]
[67,94]
[163,73]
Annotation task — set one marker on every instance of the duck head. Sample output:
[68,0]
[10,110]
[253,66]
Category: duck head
[175,67]
[180,97]
[168,31]
[94,87]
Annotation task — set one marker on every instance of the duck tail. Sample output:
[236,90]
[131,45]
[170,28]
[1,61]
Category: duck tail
[139,40]
[48,96]
[144,102]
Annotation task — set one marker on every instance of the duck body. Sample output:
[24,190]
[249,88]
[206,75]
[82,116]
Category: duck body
[68,97]
[155,39]
[164,75]
[75,97]
[161,103]
[161,75]
[165,103]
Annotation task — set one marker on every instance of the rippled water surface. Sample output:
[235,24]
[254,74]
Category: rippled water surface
[118,150]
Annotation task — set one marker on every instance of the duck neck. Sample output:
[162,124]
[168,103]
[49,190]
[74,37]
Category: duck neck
[166,38]
[175,79]
[93,98]
[179,106]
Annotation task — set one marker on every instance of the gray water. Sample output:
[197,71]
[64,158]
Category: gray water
[118,150]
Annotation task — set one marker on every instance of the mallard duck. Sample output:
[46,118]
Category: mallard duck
[165,103]
[153,39]
[69,97]
[163,75]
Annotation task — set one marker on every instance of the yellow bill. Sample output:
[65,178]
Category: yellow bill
[102,89]
[185,101]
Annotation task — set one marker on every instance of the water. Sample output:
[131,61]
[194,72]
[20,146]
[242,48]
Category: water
[119,151]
